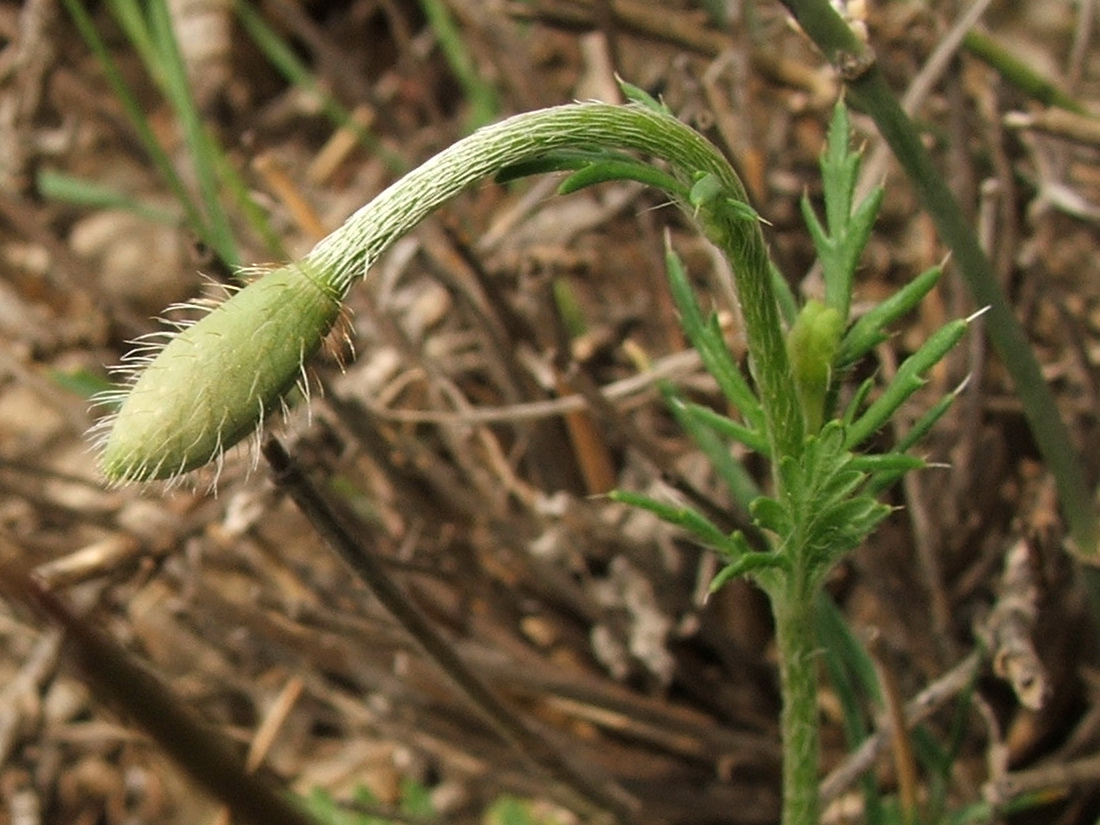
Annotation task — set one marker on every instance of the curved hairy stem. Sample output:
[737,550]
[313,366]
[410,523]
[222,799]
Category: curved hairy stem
[348,253]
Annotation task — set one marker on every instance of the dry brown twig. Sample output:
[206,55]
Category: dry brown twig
[117,679]
[600,796]
[1008,628]
[925,703]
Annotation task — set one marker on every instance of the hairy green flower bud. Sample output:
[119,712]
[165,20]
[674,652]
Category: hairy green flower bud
[214,381]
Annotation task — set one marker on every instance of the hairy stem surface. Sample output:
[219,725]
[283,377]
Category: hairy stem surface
[796,640]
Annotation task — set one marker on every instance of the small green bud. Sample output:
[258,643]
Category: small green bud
[706,189]
[215,380]
[812,346]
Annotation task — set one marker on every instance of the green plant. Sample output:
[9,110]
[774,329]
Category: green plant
[214,381]
[239,367]
[822,503]
[148,28]
[868,90]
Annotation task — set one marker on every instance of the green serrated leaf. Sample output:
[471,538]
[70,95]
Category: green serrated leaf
[860,223]
[842,238]
[888,463]
[823,244]
[697,424]
[770,514]
[884,478]
[682,516]
[908,379]
[707,189]
[837,486]
[706,337]
[869,330]
[728,428]
[839,171]
[749,563]
[784,295]
[856,517]
[740,210]
[859,398]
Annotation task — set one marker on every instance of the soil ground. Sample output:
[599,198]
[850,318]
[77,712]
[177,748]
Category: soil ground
[473,430]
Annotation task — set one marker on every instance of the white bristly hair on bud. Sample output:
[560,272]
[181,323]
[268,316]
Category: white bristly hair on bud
[208,387]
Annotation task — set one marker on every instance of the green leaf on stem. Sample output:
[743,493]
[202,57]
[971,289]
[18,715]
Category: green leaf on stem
[870,330]
[706,337]
[841,241]
[636,94]
[618,168]
[749,563]
[909,379]
[697,422]
[691,520]
[818,515]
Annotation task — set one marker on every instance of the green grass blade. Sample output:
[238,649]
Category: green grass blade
[135,114]
[133,22]
[205,152]
[59,186]
[1018,73]
[482,97]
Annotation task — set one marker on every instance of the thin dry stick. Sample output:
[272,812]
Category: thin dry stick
[604,796]
[675,366]
[925,703]
[1078,53]
[1007,632]
[1078,772]
[266,733]
[905,762]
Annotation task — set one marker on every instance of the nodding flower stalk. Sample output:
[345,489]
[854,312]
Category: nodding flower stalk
[213,382]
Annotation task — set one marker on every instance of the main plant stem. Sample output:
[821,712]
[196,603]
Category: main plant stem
[796,640]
